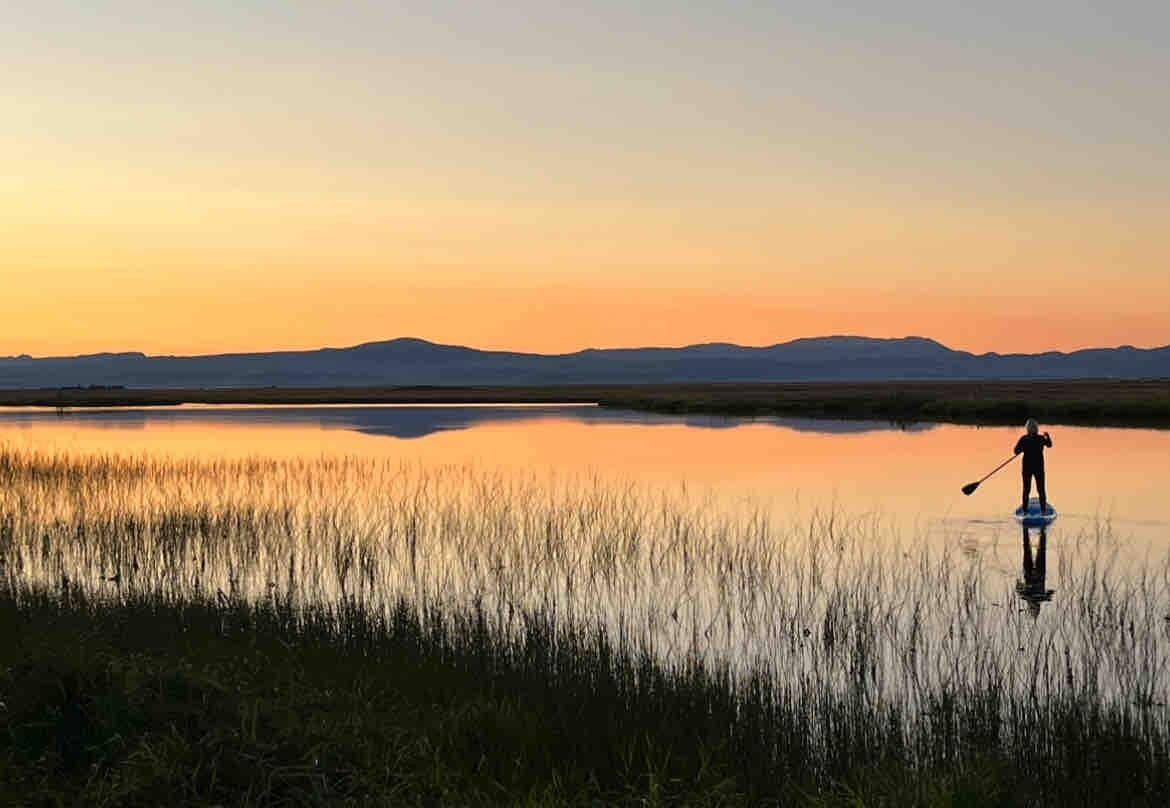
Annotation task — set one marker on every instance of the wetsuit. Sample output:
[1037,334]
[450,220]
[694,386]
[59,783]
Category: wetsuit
[1032,447]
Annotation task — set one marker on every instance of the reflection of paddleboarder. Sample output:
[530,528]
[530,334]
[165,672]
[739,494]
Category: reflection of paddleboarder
[1032,446]
[1032,587]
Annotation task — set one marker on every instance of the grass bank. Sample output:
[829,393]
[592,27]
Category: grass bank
[1087,402]
[1091,402]
[1097,402]
[146,701]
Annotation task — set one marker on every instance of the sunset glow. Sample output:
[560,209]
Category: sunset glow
[221,179]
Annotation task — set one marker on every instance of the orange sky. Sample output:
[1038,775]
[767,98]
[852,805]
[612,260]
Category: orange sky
[573,276]
[208,179]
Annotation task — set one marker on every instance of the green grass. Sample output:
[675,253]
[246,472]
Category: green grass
[142,701]
[291,632]
[147,701]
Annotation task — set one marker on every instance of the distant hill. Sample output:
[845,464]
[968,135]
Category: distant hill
[409,361]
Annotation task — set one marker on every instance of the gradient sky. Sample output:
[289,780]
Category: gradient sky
[237,175]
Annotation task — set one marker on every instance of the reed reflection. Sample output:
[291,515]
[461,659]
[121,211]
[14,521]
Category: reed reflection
[1032,588]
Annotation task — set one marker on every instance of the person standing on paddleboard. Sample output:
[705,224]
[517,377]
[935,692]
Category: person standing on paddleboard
[1032,446]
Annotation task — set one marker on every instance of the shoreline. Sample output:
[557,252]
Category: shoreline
[1086,402]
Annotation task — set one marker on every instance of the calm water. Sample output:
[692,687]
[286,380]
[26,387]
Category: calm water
[1111,480]
[787,543]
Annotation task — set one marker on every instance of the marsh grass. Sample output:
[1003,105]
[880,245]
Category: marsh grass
[543,638]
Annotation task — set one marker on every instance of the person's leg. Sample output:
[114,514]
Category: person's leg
[1042,492]
[1027,489]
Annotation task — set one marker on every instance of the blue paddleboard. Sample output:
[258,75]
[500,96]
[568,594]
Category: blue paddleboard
[1032,517]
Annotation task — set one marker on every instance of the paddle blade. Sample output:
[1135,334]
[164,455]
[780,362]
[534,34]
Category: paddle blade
[969,488]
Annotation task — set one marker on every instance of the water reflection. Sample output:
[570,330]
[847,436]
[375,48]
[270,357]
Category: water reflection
[1032,587]
[418,421]
[824,601]
[908,477]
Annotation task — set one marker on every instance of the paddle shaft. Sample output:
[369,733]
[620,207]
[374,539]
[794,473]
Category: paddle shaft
[997,468]
[969,488]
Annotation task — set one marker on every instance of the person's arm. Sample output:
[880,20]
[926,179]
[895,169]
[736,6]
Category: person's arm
[1047,440]
[1019,446]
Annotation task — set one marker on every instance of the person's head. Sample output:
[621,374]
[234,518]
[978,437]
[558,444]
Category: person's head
[1032,427]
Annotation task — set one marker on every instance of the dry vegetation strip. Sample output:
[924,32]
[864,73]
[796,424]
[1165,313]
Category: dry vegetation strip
[1143,402]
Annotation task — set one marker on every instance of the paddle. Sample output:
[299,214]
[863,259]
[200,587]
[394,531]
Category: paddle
[969,488]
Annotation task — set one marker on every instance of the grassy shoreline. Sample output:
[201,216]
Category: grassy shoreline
[1144,403]
[1140,403]
[143,700]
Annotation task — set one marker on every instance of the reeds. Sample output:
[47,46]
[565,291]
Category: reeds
[803,650]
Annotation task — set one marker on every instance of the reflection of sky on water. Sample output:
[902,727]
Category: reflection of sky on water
[1107,481]
[417,421]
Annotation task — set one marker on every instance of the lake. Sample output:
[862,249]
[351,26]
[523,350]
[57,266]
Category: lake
[907,478]
[831,568]
[912,471]
[801,547]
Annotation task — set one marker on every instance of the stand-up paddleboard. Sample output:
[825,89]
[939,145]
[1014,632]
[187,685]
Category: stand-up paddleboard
[1032,517]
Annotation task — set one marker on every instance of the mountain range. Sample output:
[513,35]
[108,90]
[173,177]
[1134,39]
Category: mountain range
[409,362]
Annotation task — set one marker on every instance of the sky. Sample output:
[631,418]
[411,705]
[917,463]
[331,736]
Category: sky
[226,176]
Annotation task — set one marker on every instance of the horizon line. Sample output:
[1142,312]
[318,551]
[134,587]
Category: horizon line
[132,352]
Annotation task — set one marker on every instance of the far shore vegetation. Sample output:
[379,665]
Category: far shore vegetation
[357,631]
[1096,402]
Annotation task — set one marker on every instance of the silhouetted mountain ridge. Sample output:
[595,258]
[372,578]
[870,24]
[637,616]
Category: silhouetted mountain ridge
[413,361]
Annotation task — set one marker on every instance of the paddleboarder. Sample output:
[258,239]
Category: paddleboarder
[1032,445]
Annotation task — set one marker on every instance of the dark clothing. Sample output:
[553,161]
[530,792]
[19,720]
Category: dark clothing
[1032,447]
[1039,475]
